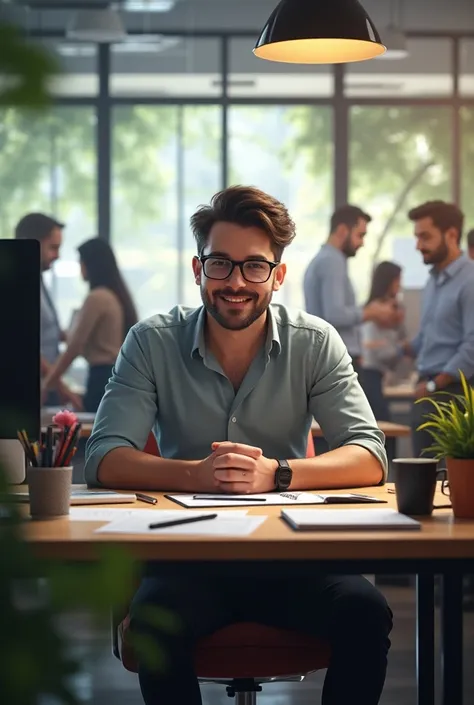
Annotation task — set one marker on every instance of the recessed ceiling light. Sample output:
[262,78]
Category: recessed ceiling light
[396,43]
[101,26]
[147,5]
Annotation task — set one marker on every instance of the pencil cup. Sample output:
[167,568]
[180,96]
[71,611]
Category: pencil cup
[50,492]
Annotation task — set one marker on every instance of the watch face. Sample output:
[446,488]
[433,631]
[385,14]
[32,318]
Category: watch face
[431,386]
[284,478]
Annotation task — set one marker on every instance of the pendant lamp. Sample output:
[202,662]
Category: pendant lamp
[319,32]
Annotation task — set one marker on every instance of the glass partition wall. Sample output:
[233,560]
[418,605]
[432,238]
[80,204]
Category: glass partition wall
[144,132]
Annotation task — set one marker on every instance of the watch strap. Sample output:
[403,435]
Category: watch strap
[283,475]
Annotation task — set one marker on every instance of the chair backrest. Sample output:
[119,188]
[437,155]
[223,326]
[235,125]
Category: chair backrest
[151,446]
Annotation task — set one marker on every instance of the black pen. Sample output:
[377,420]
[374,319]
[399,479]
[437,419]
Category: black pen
[178,522]
[229,498]
[146,498]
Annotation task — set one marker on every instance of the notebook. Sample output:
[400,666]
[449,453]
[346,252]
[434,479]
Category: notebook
[268,499]
[85,497]
[347,519]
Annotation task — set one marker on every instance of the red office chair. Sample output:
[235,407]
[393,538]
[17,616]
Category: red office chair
[242,656]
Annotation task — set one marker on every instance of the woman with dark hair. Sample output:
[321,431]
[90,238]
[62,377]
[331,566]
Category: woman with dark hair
[382,348]
[101,325]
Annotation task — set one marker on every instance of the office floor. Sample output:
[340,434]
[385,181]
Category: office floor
[105,681]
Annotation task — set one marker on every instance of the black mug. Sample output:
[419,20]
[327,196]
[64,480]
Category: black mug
[415,484]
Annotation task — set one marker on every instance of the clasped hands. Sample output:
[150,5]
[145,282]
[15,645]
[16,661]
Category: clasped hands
[237,468]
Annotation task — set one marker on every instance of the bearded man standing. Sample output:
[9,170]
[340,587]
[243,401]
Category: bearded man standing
[445,342]
[328,290]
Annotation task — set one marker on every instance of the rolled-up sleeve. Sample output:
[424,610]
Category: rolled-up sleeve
[129,407]
[338,403]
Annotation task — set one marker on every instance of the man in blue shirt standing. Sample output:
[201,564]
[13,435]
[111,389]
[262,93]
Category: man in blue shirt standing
[328,290]
[48,231]
[231,389]
[445,342]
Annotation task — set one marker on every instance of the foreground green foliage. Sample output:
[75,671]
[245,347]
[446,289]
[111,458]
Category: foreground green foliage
[451,424]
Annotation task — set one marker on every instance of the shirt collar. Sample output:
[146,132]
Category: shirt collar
[198,340]
[451,270]
[272,341]
[335,250]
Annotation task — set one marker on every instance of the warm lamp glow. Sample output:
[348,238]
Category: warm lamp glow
[320,51]
[319,32]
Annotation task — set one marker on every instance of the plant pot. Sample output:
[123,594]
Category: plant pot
[461,486]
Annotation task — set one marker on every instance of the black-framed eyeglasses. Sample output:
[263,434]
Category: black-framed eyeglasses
[256,271]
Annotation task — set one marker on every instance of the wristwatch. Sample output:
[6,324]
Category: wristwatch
[431,386]
[283,475]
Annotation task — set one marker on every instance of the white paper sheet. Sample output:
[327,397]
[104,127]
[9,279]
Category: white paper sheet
[228,524]
[93,514]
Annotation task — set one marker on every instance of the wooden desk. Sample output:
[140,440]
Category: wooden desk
[443,547]
[441,538]
[392,432]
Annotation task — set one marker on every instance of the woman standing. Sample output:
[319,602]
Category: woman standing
[382,348]
[101,325]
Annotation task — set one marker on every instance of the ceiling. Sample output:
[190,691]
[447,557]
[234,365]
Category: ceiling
[176,65]
[436,15]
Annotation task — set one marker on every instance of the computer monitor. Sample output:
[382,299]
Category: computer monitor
[20,392]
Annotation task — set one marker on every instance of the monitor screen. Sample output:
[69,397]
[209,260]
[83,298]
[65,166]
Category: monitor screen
[20,395]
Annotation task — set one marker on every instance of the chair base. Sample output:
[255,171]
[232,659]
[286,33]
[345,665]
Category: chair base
[244,691]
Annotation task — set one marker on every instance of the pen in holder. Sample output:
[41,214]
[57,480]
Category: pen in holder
[49,471]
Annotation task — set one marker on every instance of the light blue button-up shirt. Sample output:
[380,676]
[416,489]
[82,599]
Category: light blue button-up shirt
[166,378]
[329,294]
[445,342]
[50,328]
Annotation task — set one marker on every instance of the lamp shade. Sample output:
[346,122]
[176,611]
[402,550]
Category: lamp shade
[319,32]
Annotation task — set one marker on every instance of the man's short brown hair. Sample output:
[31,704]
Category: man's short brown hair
[348,215]
[444,215]
[248,207]
[470,239]
[36,226]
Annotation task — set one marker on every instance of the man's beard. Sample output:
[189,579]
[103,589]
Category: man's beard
[348,248]
[234,320]
[437,256]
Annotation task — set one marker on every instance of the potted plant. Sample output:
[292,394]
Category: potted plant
[451,426]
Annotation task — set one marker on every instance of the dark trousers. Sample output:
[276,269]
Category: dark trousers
[372,384]
[422,439]
[356,364]
[97,380]
[345,610]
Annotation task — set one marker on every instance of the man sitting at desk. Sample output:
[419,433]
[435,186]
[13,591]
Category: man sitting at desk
[232,388]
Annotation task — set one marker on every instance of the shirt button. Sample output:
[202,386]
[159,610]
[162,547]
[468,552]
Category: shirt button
[234,420]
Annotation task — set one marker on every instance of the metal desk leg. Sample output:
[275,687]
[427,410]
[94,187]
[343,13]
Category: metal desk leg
[425,639]
[452,639]
[391,449]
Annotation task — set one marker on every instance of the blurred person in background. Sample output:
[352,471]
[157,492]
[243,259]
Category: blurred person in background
[48,232]
[382,348]
[470,243]
[102,323]
[445,342]
[328,290]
